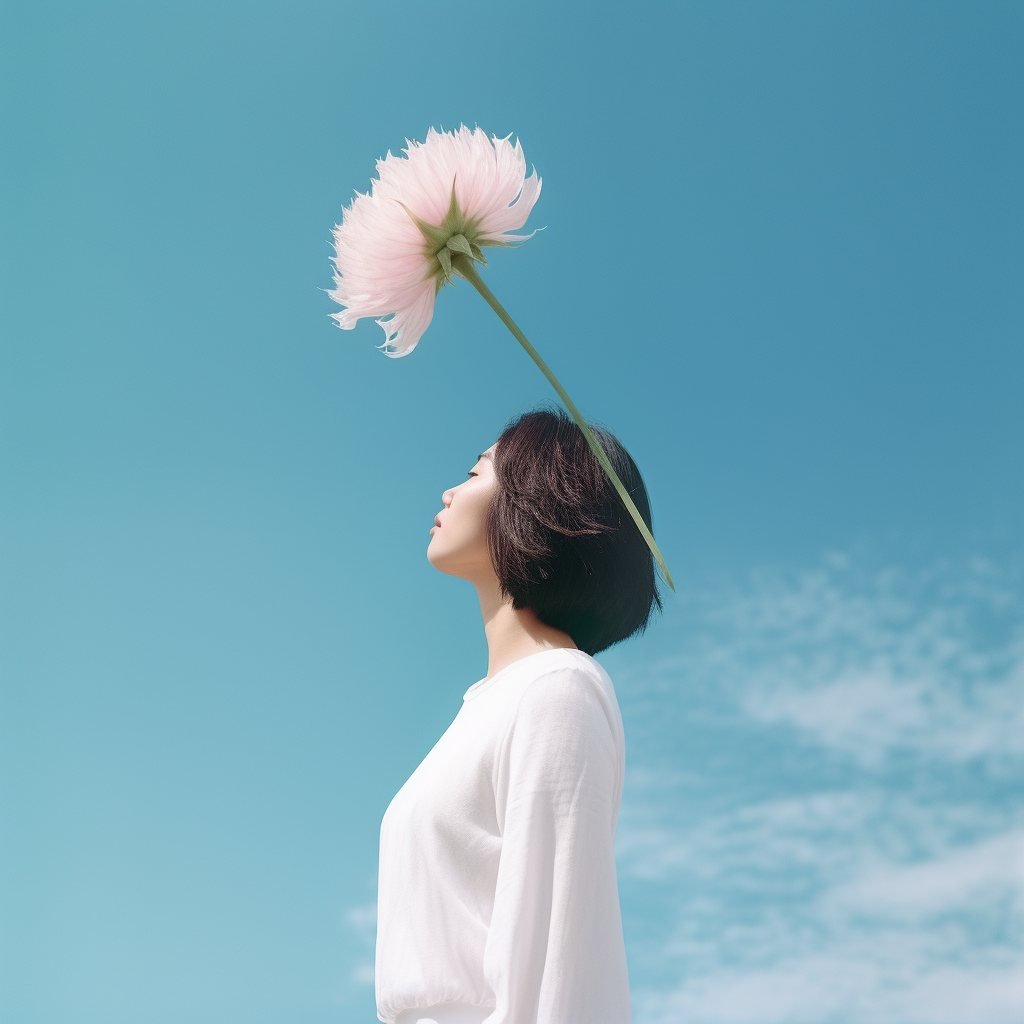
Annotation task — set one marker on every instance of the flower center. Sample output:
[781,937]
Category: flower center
[455,239]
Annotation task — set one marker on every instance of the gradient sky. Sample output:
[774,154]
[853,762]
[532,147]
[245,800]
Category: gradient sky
[781,259]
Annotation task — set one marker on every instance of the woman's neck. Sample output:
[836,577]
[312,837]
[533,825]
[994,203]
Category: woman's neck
[514,633]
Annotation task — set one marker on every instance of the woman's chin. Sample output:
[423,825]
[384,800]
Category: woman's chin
[443,561]
[435,554]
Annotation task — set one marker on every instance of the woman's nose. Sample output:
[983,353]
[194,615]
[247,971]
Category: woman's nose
[446,498]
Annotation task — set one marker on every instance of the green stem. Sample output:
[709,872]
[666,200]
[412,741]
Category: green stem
[468,271]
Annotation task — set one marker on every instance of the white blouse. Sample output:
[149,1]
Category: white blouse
[497,899]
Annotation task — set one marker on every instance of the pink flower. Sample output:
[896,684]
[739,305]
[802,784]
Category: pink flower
[428,214]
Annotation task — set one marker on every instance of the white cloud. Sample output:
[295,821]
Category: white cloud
[869,665]
[872,712]
[798,911]
[879,672]
[961,880]
[841,987]
[822,803]
[363,920]
[362,973]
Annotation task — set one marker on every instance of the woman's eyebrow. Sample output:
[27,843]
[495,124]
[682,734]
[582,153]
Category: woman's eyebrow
[484,455]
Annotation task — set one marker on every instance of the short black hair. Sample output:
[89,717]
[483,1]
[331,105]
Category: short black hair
[561,540]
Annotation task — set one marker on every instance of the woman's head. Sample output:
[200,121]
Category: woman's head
[539,515]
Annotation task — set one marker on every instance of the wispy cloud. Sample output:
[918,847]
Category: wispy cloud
[363,921]
[822,819]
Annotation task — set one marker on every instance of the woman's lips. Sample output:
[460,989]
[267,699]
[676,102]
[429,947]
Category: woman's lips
[437,520]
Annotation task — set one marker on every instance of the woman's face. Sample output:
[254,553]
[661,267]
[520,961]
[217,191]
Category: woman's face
[458,538]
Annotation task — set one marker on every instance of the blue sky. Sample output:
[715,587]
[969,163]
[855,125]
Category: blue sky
[781,260]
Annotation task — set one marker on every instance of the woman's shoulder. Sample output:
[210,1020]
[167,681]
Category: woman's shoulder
[564,714]
[565,682]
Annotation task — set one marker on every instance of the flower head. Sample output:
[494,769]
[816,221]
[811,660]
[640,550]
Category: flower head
[427,214]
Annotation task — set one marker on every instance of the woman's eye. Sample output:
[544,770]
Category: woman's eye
[471,473]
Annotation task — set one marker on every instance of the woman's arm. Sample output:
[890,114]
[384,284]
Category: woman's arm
[554,951]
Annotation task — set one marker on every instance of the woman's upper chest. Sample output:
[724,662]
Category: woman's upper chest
[454,784]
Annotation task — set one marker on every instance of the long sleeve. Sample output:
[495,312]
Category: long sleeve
[554,951]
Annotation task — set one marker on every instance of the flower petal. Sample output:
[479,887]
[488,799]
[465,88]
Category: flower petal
[406,327]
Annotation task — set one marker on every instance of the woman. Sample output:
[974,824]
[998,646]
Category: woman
[497,896]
